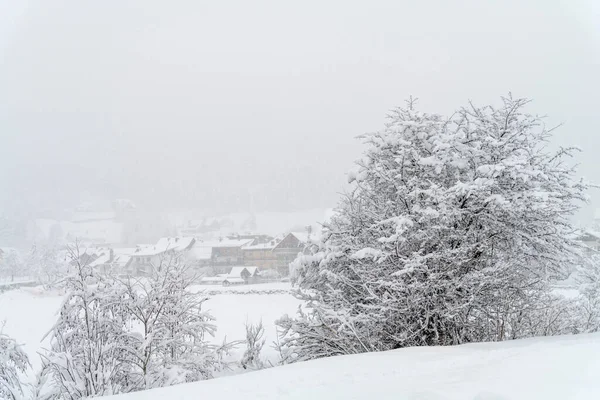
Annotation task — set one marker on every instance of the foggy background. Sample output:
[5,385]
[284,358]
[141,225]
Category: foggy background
[254,106]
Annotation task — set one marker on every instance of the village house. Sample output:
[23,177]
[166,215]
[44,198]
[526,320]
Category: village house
[241,275]
[257,238]
[591,240]
[260,255]
[224,253]
[165,251]
[288,249]
[118,261]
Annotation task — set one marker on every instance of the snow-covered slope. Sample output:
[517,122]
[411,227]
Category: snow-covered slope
[562,368]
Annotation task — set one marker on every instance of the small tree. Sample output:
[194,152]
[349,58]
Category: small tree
[89,341]
[47,265]
[11,265]
[589,303]
[254,344]
[169,340]
[452,233]
[13,361]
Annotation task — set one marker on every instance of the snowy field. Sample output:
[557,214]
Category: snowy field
[30,312]
[558,368]
[545,368]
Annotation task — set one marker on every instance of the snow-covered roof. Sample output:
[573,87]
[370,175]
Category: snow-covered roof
[148,250]
[588,234]
[234,280]
[102,259]
[593,233]
[121,260]
[198,252]
[164,244]
[225,243]
[124,251]
[262,246]
[236,272]
[304,237]
[175,243]
[301,236]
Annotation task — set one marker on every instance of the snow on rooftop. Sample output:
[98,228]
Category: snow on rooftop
[236,272]
[148,250]
[175,243]
[225,243]
[198,252]
[101,260]
[550,368]
[124,250]
[262,246]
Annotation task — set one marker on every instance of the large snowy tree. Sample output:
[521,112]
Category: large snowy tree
[451,234]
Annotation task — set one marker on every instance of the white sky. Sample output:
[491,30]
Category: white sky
[211,103]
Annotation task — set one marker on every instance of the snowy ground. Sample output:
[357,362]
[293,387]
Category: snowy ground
[30,312]
[556,368]
[545,369]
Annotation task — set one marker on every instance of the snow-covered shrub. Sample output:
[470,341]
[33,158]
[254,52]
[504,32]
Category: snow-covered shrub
[89,340]
[116,336]
[589,301]
[13,361]
[47,265]
[270,274]
[168,342]
[452,233]
[254,343]
[11,265]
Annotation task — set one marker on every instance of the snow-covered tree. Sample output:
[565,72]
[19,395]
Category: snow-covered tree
[451,234]
[589,302]
[254,343]
[122,335]
[11,264]
[48,265]
[89,341]
[13,361]
[168,341]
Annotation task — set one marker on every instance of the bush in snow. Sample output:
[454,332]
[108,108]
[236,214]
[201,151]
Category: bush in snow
[11,265]
[13,361]
[452,233]
[254,344]
[589,301]
[47,265]
[116,336]
[270,274]
[89,340]
[168,342]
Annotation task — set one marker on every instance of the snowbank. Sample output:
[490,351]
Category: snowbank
[558,368]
